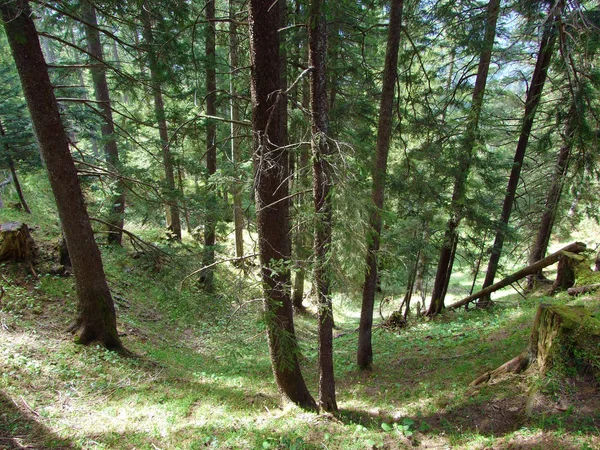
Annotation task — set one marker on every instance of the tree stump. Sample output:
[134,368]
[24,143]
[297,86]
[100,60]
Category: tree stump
[563,337]
[565,276]
[568,336]
[16,243]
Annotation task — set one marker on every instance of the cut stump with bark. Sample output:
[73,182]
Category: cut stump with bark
[563,337]
[16,243]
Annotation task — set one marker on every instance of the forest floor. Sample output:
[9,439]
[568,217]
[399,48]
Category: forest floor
[201,375]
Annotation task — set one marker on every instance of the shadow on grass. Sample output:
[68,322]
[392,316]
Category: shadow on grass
[19,429]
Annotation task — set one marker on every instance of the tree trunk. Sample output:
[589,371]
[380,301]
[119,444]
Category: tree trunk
[13,172]
[364,355]
[236,156]
[322,185]
[457,205]
[554,193]
[533,99]
[96,320]
[206,277]
[301,250]
[576,247]
[111,152]
[172,210]
[272,204]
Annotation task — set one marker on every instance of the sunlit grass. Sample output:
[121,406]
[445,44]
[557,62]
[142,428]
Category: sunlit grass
[202,378]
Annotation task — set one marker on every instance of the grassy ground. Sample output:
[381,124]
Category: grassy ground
[201,377]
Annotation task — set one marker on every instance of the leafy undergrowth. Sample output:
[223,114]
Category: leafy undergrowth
[201,375]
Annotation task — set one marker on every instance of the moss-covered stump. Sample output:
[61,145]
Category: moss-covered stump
[563,337]
[16,243]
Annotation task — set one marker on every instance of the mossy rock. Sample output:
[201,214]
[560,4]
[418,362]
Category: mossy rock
[566,337]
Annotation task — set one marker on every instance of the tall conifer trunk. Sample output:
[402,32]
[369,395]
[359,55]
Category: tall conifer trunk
[272,203]
[96,316]
[457,205]
[236,156]
[172,211]
[531,103]
[102,94]
[322,185]
[211,146]
[364,355]
[554,193]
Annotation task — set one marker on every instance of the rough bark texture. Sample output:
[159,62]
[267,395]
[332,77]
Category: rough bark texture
[16,243]
[575,247]
[470,138]
[532,101]
[271,192]
[96,320]
[211,147]
[111,152]
[172,211]
[364,355]
[322,185]
[236,156]
[561,336]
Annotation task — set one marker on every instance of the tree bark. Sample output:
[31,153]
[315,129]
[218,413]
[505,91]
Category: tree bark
[576,247]
[532,101]
[322,186]
[272,203]
[554,193]
[211,147]
[236,156]
[172,210]
[364,355]
[111,152]
[470,138]
[16,242]
[96,319]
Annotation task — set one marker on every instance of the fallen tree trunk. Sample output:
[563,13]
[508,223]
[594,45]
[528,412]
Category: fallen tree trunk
[563,336]
[582,289]
[575,247]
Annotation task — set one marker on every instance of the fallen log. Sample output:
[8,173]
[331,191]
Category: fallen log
[575,247]
[582,289]
[567,337]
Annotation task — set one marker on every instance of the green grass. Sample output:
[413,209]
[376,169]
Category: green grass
[201,377]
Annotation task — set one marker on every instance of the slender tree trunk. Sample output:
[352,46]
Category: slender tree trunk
[533,99]
[322,185]
[446,260]
[301,250]
[272,203]
[96,318]
[364,356]
[13,172]
[111,151]
[211,147]
[554,193]
[172,210]
[236,156]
